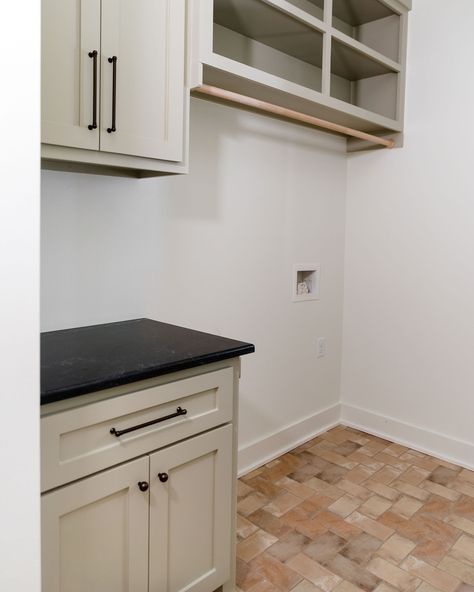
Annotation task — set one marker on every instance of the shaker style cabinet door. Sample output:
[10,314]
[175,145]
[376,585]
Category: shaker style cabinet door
[70,32]
[191,514]
[143,78]
[95,533]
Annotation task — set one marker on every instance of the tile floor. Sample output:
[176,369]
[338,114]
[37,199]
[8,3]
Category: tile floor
[350,512]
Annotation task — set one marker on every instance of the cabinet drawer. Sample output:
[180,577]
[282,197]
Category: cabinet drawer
[79,442]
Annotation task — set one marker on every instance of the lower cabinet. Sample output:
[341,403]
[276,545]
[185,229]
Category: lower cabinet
[160,523]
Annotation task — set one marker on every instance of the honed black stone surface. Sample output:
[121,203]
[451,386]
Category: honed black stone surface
[87,359]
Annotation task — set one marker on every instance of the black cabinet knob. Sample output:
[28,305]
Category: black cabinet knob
[163,477]
[143,486]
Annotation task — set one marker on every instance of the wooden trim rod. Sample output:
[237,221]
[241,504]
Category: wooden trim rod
[227,95]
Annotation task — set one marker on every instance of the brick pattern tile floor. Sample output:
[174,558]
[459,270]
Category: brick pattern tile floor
[350,512]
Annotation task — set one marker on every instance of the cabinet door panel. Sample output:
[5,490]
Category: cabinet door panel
[95,533]
[70,30]
[148,38]
[190,514]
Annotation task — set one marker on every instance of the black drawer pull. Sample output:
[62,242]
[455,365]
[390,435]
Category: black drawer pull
[93,125]
[163,477]
[118,433]
[113,61]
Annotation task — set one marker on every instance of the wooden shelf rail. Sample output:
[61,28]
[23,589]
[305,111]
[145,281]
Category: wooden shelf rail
[226,95]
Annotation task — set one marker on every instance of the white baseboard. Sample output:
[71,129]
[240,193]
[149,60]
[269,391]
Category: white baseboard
[444,447]
[274,445]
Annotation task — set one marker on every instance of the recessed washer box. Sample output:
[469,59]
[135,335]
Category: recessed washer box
[305,283]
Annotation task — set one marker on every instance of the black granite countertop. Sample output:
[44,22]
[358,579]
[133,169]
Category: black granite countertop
[86,359]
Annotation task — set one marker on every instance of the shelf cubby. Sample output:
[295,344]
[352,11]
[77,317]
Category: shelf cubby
[313,7]
[259,35]
[371,22]
[363,82]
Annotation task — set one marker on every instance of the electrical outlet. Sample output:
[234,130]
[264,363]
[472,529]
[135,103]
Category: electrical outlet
[321,347]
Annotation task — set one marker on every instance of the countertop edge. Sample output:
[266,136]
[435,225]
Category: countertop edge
[84,389]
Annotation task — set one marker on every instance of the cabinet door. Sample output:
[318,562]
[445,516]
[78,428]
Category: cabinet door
[191,514]
[95,533]
[148,38]
[70,30]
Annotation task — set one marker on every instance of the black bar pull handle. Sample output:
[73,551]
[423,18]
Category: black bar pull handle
[118,433]
[113,61]
[93,125]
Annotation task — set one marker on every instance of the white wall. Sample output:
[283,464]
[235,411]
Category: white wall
[409,279]
[214,251]
[19,295]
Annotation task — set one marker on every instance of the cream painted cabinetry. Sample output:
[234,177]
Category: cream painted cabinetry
[161,522]
[113,84]
[340,60]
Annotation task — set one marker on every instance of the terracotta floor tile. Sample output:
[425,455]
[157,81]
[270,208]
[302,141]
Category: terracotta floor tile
[244,527]
[337,459]
[414,475]
[347,447]
[277,573]
[375,506]
[411,490]
[463,487]
[242,489]
[438,506]
[246,575]
[463,549]
[392,461]
[436,577]
[324,547]
[281,503]
[462,523]
[444,476]
[299,489]
[255,544]
[458,569]
[386,475]
[314,572]
[264,586]
[406,506]
[396,449]
[393,575]
[432,551]
[332,473]
[305,586]
[360,474]
[392,520]
[396,548]
[361,548]
[355,513]
[347,587]
[288,546]
[269,523]
[264,486]
[353,489]
[324,487]
[466,475]
[345,505]
[317,502]
[441,490]
[353,572]
[376,529]
[254,501]
[383,490]
[464,507]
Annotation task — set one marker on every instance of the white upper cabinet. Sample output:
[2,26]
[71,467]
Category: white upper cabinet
[70,31]
[113,85]
[143,35]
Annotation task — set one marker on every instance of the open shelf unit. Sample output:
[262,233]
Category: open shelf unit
[341,60]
